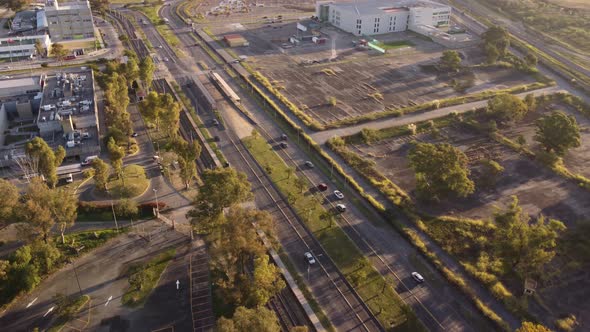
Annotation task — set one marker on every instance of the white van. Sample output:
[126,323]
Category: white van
[88,160]
[69,178]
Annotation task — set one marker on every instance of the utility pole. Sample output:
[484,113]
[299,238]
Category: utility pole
[113,209]
[157,203]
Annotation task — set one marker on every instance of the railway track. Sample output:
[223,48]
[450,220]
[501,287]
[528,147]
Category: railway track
[283,304]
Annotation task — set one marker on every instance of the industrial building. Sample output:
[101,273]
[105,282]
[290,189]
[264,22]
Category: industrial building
[70,23]
[23,46]
[374,17]
[59,108]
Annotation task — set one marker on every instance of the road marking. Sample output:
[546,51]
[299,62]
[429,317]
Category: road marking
[108,300]
[48,311]
[177,284]
[31,303]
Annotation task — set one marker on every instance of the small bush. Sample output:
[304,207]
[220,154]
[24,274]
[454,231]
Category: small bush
[566,324]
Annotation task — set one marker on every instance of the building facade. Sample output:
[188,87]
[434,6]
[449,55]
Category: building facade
[69,21]
[24,46]
[374,17]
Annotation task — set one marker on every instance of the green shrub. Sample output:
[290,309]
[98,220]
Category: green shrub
[566,324]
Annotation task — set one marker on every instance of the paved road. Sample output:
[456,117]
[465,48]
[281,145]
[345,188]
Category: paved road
[101,276]
[442,303]
[322,136]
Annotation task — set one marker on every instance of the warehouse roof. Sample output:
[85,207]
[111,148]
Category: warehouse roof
[375,7]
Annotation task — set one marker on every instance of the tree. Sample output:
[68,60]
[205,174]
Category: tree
[64,209]
[116,155]
[222,188]
[532,327]
[138,279]
[441,169]
[450,61]
[16,5]
[558,132]
[259,319]
[300,183]
[507,107]
[524,246]
[531,60]
[44,159]
[233,247]
[100,6]
[170,114]
[44,255]
[187,154]
[267,282]
[492,53]
[150,108]
[127,208]
[499,38]
[290,171]
[58,51]
[60,154]
[131,70]
[531,102]
[101,173]
[332,101]
[10,197]
[146,71]
[39,47]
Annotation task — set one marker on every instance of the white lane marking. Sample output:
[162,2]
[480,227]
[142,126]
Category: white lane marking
[48,311]
[31,303]
[108,300]
[177,284]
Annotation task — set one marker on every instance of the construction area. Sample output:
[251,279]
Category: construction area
[332,75]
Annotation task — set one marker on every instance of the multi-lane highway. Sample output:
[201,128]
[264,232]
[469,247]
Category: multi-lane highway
[440,307]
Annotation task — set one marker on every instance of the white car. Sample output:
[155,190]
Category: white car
[309,258]
[338,194]
[418,277]
[309,164]
[340,207]
[70,178]
[166,59]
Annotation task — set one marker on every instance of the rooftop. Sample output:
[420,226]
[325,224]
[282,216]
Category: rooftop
[18,82]
[375,7]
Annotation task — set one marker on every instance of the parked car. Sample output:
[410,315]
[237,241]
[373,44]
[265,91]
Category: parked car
[322,187]
[70,178]
[338,194]
[216,138]
[226,164]
[309,164]
[418,277]
[309,258]
[340,207]
[134,135]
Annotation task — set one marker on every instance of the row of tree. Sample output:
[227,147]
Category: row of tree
[241,271]
[37,212]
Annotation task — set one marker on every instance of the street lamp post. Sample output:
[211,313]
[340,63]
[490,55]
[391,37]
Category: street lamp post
[157,204]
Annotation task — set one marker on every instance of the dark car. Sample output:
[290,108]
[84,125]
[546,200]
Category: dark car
[322,187]
[226,164]
[284,137]
[284,145]
[216,138]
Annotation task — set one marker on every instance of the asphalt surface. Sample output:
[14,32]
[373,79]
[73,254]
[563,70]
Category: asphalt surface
[101,276]
[440,306]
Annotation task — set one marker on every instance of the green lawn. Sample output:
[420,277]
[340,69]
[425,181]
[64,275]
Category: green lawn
[377,293]
[133,183]
[395,44]
[150,11]
[151,270]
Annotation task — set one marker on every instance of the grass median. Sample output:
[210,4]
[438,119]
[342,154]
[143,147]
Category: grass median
[377,292]
[67,308]
[143,278]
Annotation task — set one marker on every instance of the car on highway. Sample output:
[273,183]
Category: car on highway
[215,122]
[70,178]
[338,194]
[418,277]
[309,164]
[216,138]
[226,164]
[166,59]
[322,187]
[134,135]
[284,137]
[309,258]
[284,145]
[340,207]
[160,46]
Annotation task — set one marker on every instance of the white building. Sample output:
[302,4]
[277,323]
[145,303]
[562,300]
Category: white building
[70,23]
[24,46]
[373,17]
